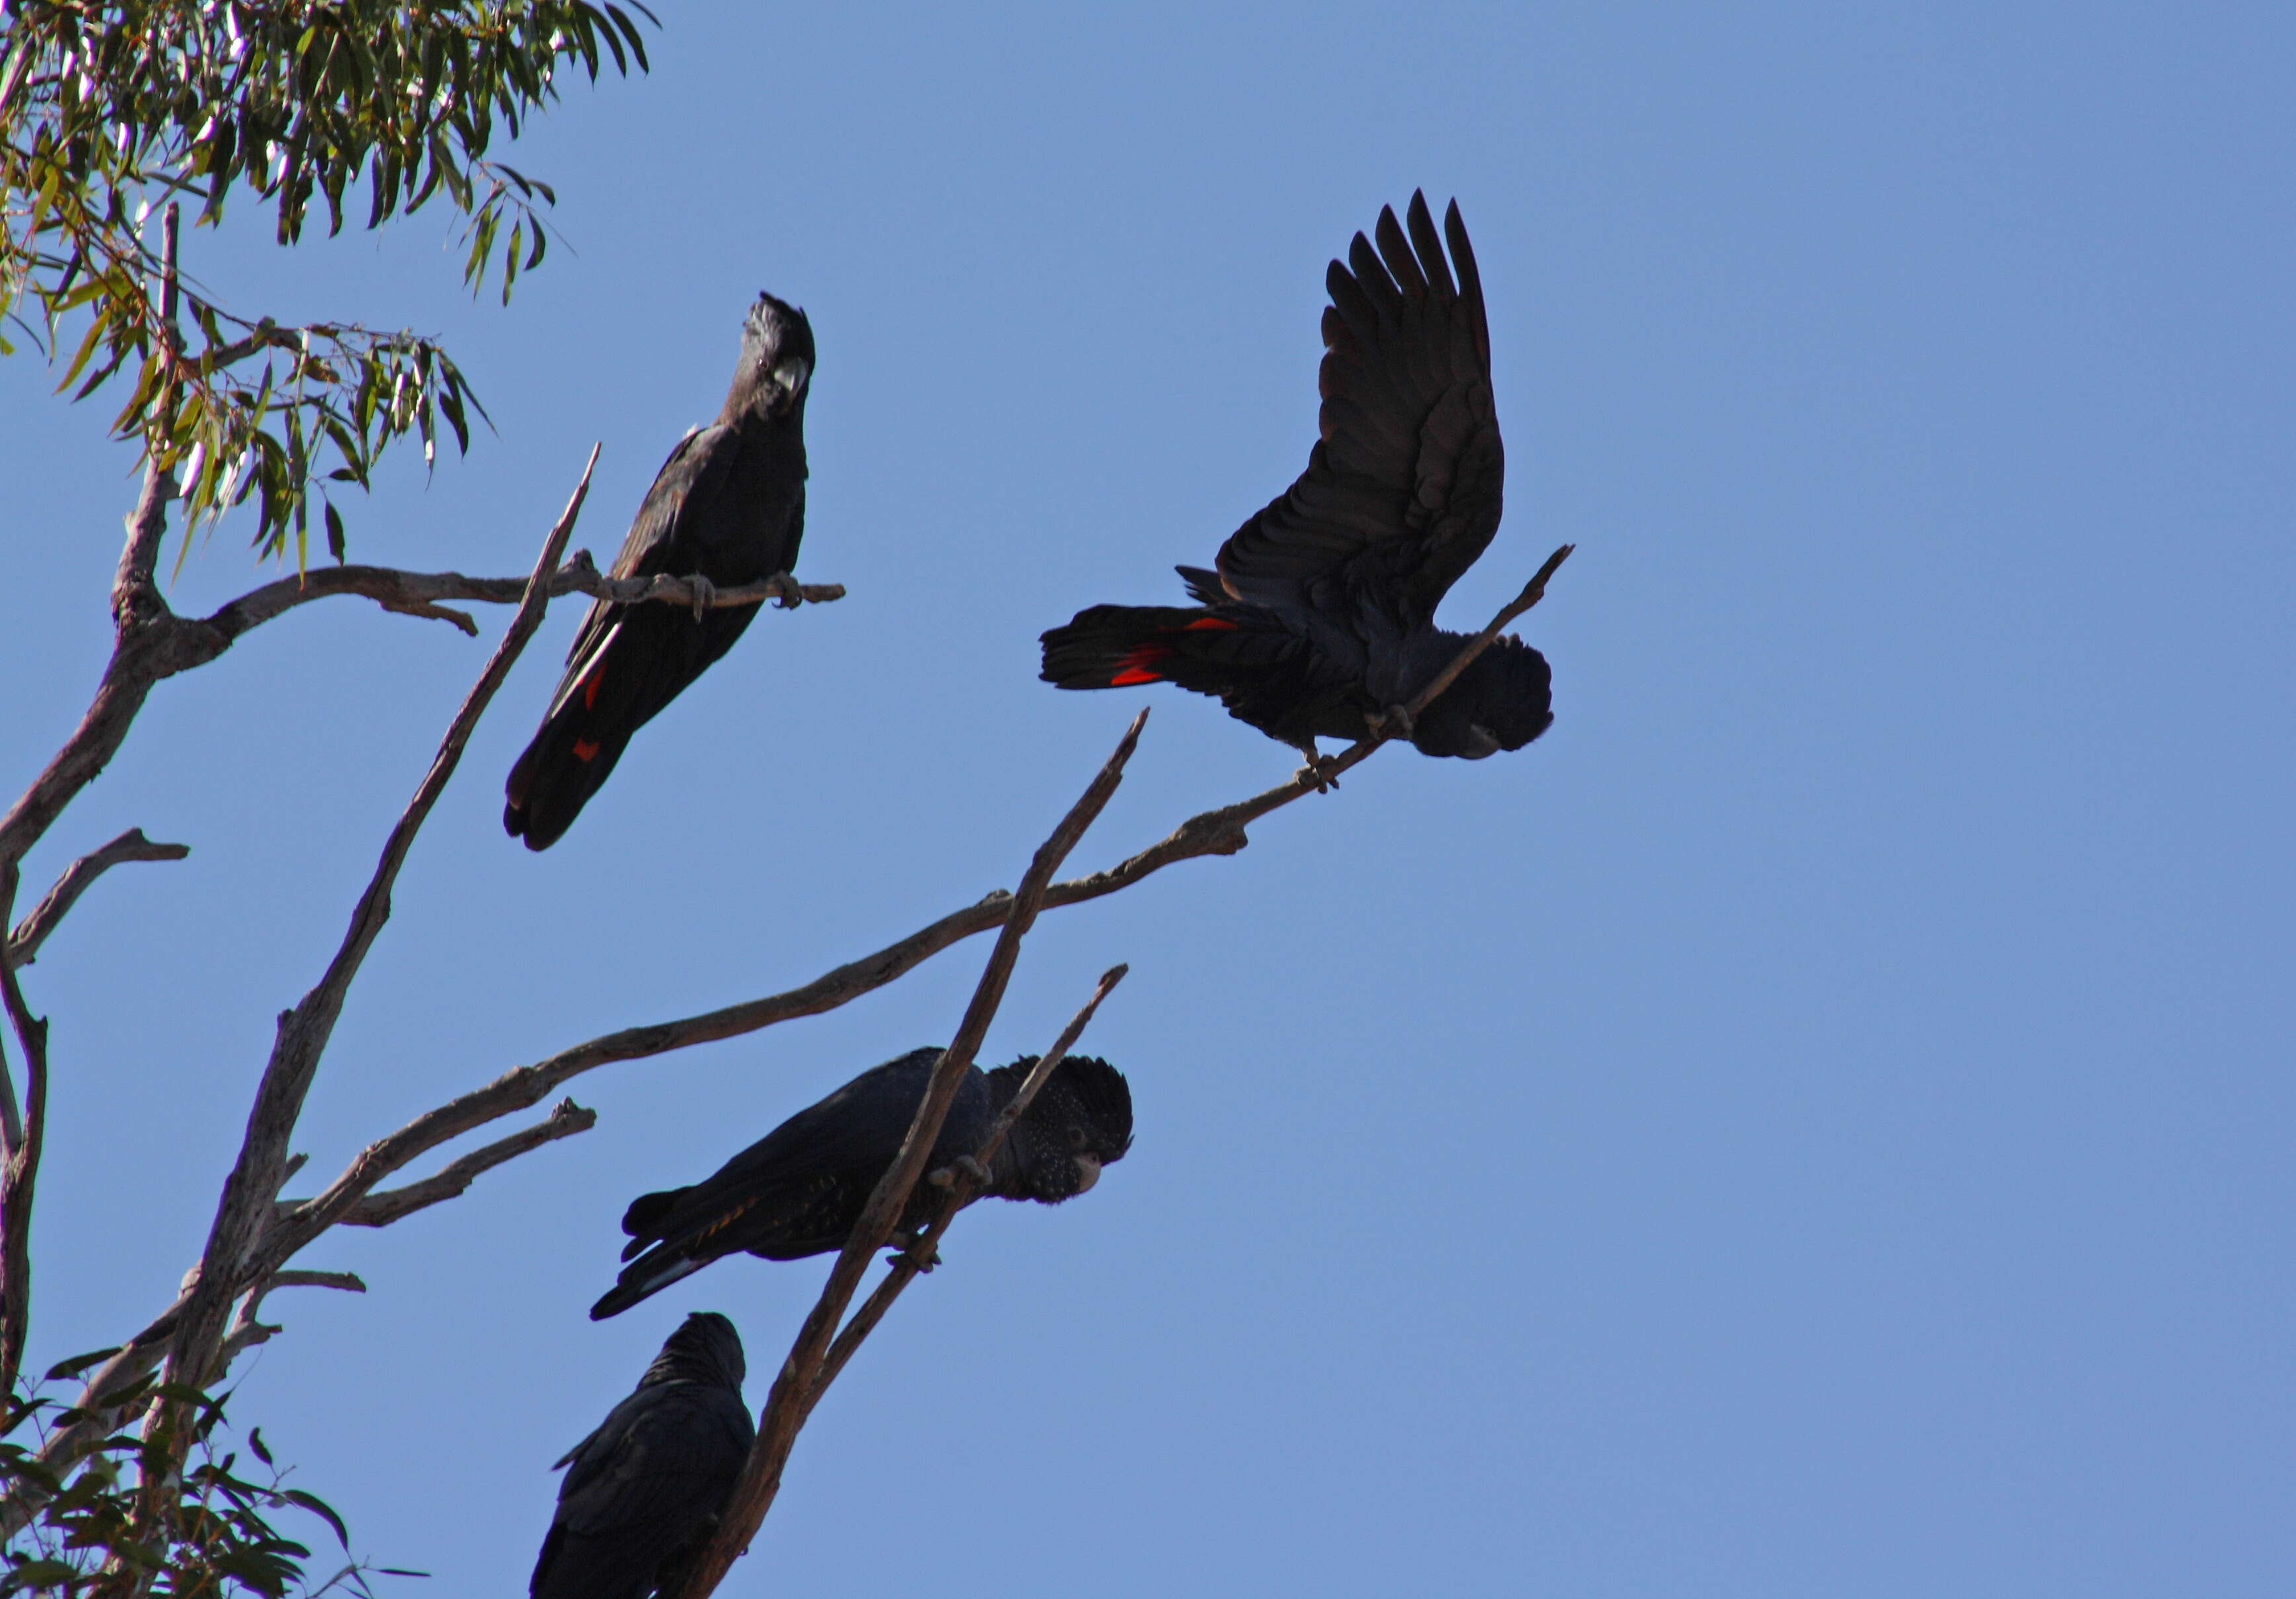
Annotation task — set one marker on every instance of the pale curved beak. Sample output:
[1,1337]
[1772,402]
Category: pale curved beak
[1484,744]
[1088,1172]
[793,374]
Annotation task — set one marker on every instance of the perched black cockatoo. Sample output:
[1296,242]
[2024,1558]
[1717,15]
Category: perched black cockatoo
[643,1492]
[1322,615]
[798,1190]
[727,506]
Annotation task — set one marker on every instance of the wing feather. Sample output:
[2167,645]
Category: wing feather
[1404,487]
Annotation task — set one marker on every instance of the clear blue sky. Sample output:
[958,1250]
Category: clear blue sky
[1817,1123]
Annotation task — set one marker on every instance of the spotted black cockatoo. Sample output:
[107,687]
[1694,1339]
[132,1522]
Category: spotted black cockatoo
[798,1190]
[643,1492]
[1320,621]
[727,506]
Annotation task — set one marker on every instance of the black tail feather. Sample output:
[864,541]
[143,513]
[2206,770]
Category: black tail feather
[644,1277]
[1113,646]
[555,777]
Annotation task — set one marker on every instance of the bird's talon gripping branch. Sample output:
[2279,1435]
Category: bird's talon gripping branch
[788,593]
[1394,723]
[1314,772]
[900,1244]
[705,595]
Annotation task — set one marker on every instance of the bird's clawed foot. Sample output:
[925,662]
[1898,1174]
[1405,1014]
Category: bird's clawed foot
[705,595]
[901,1243]
[787,592]
[1395,722]
[945,1177]
[1315,772]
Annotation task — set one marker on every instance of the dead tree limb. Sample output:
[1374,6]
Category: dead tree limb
[151,641]
[795,1384]
[41,920]
[19,1163]
[565,1119]
[423,594]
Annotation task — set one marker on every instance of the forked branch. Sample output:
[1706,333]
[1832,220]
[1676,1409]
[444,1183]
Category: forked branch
[19,1160]
[423,593]
[800,1374]
[41,920]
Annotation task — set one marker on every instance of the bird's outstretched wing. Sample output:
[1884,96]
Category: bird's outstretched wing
[652,545]
[1402,491]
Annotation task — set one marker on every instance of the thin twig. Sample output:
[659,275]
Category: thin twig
[963,1188]
[380,1209]
[32,932]
[304,1031]
[348,1282]
[793,1386]
[1533,592]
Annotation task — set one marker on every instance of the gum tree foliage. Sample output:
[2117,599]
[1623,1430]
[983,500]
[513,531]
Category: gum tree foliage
[213,1537]
[358,109]
[112,115]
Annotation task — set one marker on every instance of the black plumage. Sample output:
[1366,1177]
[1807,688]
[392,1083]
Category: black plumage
[643,1492]
[798,1190]
[1322,615]
[728,505]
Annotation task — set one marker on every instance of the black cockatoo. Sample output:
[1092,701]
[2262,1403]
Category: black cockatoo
[643,1492]
[798,1190]
[1322,615]
[727,506]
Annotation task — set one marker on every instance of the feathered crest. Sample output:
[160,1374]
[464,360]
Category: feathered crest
[1086,1085]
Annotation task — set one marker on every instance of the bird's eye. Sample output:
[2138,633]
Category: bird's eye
[1076,1139]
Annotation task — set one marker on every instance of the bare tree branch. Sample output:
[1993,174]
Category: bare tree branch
[32,932]
[1533,592]
[419,594]
[153,642]
[795,1384]
[380,1209]
[924,1250]
[348,1282]
[20,1169]
[304,1031]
